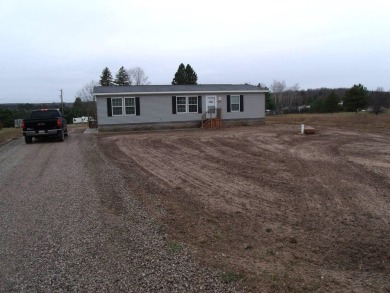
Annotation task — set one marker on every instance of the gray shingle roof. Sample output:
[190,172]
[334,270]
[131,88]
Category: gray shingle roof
[170,89]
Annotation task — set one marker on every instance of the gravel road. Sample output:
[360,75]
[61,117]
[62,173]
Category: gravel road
[70,223]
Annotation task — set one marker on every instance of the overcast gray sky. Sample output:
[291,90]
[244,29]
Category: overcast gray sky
[51,45]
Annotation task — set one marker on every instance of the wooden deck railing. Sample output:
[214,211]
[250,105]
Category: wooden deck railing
[211,122]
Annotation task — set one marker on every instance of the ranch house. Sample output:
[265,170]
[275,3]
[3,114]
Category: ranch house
[178,106]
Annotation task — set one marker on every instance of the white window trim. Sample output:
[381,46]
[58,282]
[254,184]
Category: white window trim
[177,105]
[187,105]
[112,106]
[123,106]
[231,104]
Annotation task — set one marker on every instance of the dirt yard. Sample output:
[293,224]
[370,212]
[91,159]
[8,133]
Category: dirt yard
[281,211]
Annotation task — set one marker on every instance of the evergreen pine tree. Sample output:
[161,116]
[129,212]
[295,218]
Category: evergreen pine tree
[122,77]
[180,75]
[78,108]
[106,78]
[185,75]
[356,98]
[269,101]
[191,76]
[318,106]
[332,102]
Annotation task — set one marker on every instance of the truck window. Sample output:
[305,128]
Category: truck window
[44,114]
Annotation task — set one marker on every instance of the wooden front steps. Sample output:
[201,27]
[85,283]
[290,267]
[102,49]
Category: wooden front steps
[211,122]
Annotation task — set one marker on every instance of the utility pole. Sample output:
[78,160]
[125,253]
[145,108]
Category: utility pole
[62,104]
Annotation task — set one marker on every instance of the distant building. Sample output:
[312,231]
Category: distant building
[82,119]
[18,123]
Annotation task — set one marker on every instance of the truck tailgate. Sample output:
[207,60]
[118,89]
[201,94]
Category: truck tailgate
[40,125]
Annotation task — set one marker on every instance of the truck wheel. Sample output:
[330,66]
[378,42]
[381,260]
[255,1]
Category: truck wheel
[28,139]
[62,136]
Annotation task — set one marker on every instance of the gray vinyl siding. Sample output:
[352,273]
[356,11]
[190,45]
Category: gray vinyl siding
[153,109]
[158,109]
[254,107]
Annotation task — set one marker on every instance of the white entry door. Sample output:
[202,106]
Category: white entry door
[211,102]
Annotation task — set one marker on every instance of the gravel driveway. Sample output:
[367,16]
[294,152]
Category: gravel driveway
[69,222]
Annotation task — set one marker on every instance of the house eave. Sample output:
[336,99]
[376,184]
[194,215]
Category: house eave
[183,92]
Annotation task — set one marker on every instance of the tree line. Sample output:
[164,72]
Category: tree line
[10,112]
[136,76]
[124,77]
[285,99]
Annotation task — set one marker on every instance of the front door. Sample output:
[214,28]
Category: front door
[211,102]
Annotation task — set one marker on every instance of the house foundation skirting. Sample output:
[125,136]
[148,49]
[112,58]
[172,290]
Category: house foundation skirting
[175,125]
[242,122]
[149,126]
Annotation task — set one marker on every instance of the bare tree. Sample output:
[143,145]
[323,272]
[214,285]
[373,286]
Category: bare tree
[292,97]
[87,97]
[377,100]
[286,98]
[86,92]
[277,88]
[138,76]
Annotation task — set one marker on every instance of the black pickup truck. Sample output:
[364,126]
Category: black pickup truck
[45,123]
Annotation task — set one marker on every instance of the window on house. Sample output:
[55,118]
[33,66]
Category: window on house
[181,104]
[129,106]
[193,104]
[116,106]
[187,104]
[235,103]
[123,106]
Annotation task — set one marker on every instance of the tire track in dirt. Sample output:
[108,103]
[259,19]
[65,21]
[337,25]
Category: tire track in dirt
[197,170]
[350,200]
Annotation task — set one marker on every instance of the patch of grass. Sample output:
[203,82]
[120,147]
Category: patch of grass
[175,247]
[313,287]
[161,229]
[9,133]
[218,235]
[230,277]
[271,252]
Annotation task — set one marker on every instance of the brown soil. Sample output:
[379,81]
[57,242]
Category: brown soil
[285,211]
